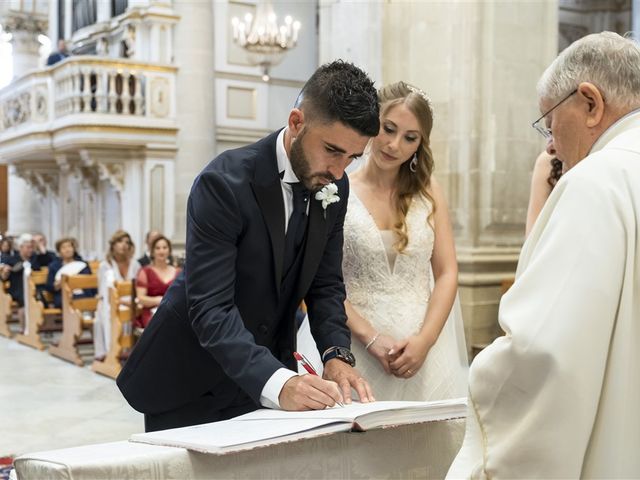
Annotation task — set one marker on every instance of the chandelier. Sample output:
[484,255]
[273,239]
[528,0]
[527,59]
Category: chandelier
[265,41]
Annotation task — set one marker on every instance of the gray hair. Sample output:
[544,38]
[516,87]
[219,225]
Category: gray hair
[24,238]
[607,60]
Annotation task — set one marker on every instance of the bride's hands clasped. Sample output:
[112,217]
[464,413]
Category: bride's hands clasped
[407,356]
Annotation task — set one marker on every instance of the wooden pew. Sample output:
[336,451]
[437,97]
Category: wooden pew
[36,313]
[5,311]
[94,265]
[121,330]
[73,320]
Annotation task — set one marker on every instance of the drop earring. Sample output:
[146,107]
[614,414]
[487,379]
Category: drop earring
[413,164]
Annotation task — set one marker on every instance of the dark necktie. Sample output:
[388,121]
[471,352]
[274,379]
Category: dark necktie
[297,225]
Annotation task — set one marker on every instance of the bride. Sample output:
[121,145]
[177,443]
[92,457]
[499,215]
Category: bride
[399,264]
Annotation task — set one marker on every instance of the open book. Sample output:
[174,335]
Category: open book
[267,427]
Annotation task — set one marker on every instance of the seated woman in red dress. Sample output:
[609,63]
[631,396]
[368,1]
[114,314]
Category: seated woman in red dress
[153,280]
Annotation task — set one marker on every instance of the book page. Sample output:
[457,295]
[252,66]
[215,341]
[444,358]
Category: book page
[219,436]
[354,410]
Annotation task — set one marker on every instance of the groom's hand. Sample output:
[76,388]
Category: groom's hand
[308,392]
[347,378]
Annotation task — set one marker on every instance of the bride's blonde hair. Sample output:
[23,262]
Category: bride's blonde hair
[410,183]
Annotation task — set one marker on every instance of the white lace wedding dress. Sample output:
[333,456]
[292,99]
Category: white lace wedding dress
[394,299]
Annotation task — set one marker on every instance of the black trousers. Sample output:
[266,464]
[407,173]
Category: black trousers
[204,410]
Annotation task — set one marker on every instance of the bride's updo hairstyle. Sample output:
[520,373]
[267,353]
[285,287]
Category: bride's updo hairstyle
[411,182]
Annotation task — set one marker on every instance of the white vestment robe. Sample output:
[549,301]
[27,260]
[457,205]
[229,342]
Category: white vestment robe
[559,395]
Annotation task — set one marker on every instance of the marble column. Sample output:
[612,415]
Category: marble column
[25,51]
[195,114]
[359,41]
[24,205]
[132,206]
[479,62]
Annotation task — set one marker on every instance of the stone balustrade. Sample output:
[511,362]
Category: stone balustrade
[111,91]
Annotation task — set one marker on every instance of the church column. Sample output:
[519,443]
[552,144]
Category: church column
[194,87]
[53,24]
[132,196]
[359,41]
[24,207]
[103,11]
[25,51]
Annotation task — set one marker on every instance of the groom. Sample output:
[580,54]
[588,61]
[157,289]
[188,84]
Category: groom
[258,243]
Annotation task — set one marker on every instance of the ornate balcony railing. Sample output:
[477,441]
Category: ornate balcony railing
[89,90]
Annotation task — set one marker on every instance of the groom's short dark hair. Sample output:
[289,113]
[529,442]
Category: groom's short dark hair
[340,91]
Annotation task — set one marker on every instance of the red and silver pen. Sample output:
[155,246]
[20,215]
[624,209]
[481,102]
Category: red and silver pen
[306,364]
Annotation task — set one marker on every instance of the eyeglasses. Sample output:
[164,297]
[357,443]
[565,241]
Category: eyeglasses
[540,128]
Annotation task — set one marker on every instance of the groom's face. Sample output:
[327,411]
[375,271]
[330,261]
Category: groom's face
[320,153]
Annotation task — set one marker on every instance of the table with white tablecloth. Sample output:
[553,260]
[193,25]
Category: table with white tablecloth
[421,450]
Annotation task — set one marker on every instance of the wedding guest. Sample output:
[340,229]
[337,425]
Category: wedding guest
[119,265]
[6,249]
[558,395]
[546,173]
[264,232]
[58,55]
[13,268]
[145,259]
[43,255]
[68,263]
[154,280]
[399,264]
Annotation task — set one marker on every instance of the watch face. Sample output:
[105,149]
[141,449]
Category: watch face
[346,355]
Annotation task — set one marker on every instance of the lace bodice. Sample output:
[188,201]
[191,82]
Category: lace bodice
[395,301]
[373,287]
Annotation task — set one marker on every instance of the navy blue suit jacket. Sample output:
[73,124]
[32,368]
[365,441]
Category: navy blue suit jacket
[218,329]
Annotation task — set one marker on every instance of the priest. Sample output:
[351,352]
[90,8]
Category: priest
[558,395]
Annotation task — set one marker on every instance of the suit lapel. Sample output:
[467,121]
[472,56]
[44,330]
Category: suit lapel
[314,247]
[272,206]
[268,192]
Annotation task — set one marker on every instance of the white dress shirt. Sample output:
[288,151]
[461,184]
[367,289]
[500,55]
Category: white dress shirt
[273,387]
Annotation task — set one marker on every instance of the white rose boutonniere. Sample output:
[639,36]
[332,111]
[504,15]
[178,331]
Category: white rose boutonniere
[327,196]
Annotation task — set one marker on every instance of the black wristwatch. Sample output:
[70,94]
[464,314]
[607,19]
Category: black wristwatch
[341,353]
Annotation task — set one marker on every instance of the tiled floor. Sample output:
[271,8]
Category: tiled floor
[47,403]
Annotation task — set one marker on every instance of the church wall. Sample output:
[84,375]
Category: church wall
[479,63]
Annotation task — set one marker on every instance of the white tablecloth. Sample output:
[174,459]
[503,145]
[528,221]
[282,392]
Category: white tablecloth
[422,450]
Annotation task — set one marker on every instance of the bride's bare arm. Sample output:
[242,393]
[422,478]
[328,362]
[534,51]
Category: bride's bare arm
[413,350]
[376,343]
[360,327]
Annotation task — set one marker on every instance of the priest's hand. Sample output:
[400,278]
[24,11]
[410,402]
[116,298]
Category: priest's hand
[309,392]
[347,378]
